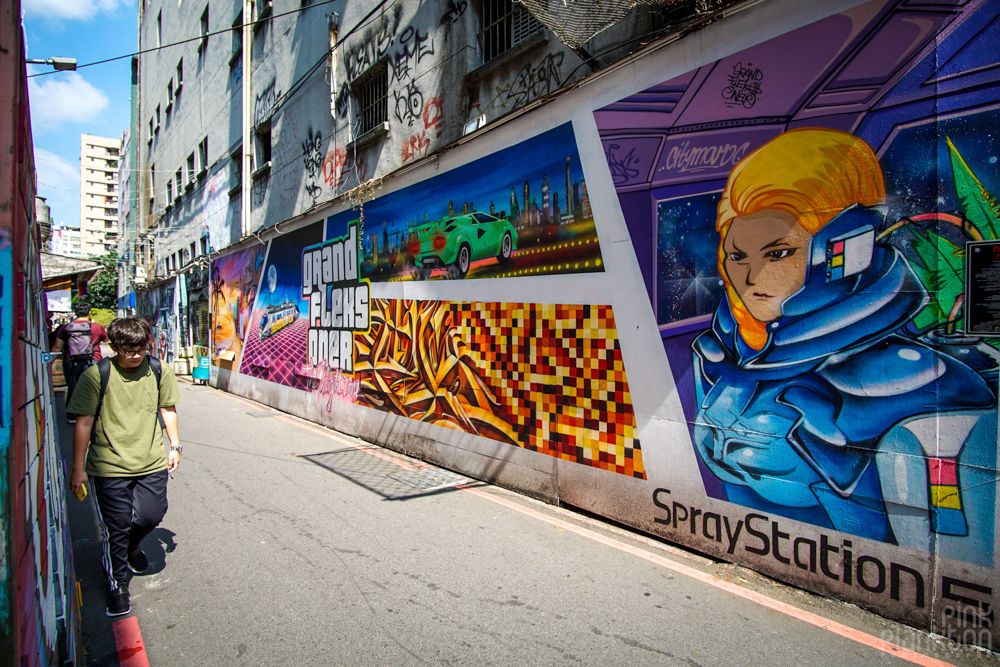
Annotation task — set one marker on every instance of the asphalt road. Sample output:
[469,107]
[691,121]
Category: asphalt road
[287,544]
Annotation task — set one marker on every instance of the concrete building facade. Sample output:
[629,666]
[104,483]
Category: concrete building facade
[65,241]
[99,158]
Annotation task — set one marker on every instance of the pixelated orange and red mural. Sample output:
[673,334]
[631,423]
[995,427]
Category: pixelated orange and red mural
[548,378]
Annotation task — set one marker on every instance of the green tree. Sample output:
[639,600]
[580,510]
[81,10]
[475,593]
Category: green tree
[103,289]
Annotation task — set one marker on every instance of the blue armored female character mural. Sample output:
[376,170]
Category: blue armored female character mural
[817,399]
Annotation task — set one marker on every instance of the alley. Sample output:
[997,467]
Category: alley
[287,544]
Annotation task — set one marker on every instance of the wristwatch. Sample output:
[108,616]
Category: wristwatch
[177,448]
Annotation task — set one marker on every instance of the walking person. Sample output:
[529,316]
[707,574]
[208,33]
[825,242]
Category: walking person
[118,447]
[80,344]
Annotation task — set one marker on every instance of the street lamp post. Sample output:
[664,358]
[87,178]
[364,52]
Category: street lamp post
[60,64]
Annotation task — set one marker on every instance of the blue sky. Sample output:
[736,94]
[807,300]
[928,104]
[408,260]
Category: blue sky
[64,105]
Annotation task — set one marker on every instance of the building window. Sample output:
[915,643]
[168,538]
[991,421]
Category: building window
[159,28]
[111,188]
[262,157]
[263,9]
[236,171]
[170,95]
[190,171]
[204,245]
[203,44]
[237,40]
[371,91]
[203,157]
[170,192]
[152,130]
[505,25]
[156,128]
[179,178]
[180,75]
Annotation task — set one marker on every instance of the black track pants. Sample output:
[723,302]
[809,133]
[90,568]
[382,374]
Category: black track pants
[128,508]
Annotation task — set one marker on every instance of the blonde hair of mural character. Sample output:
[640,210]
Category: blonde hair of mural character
[811,173]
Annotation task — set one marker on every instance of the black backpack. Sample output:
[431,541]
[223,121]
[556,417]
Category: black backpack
[104,368]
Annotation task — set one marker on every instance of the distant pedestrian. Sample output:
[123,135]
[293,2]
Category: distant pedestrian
[80,343]
[118,444]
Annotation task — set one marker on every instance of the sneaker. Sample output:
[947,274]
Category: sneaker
[137,561]
[70,419]
[118,604]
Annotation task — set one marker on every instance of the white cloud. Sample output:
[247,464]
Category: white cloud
[64,98]
[70,10]
[55,170]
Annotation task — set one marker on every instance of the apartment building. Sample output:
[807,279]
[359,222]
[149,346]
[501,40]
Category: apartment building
[99,158]
[65,241]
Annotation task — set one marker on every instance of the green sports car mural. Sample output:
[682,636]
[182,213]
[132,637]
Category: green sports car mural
[454,243]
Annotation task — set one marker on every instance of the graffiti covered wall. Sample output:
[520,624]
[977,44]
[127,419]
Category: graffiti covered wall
[233,290]
[745,304]
[39,617]
[806,228]
[159,305]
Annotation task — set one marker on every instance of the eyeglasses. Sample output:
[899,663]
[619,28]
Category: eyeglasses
[139,352]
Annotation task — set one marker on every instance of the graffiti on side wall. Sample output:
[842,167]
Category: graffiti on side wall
[338,301]
[530,216]
[160,307]
[498,370]
[364,52]
[233,290]
[816,293]
[40,573]
[276,344]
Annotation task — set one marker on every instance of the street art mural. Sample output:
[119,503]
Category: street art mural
[500,371]
[808,230]
[232,292]
[521,211]
[276,343]
[818,238]
[39,616]
[495,370]
[160,306]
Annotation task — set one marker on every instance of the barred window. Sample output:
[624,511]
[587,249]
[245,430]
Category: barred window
[372,93]
[505,25]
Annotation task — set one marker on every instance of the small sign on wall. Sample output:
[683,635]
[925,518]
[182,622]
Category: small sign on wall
[982,288]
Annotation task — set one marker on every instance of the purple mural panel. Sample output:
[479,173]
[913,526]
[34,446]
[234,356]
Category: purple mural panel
[701,156]
[809,219]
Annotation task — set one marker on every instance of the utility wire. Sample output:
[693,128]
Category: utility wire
[192,39]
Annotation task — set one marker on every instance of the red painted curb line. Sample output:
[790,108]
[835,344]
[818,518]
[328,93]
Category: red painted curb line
[131,650]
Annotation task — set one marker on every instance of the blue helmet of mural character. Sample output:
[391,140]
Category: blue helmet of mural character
[810,397]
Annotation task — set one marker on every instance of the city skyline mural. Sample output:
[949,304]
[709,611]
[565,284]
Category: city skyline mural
[520,211]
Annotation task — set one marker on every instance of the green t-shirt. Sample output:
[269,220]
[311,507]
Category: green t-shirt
[128,441]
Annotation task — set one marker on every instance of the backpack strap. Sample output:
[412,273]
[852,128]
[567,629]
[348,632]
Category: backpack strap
[104,368]
[154,365]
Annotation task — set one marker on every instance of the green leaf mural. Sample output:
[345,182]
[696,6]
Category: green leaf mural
[940,266]
[978,205]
